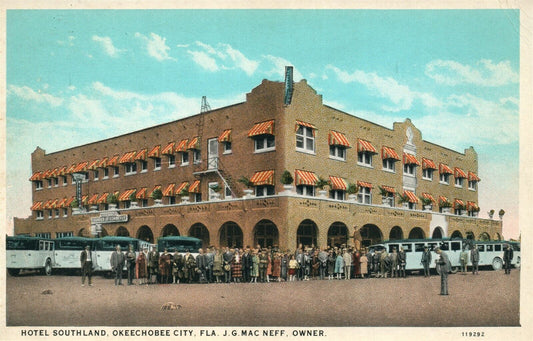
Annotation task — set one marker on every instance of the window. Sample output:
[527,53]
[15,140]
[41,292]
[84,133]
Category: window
[64,180]
[171,200]
[409,168]
[497,247]
[265,143]
[227,147]
[64,234]
[106,173]
[407,247]
[197,197]
[56,182]
[130,168]
[472,185]
[337,152]
[196,156]
[144,166]
[171,161]
[144,203]
[305,190]
[184,159]
[364,158]
[444,178]
[40,215]
[116,171]
[86,177]
[65,212]
[389,165]
[444,246]
[43,235]
[264,190]
[106,206]
[95,173]
[388,199]
[50,214]
[157,163]
[38,185]
[56,212]
[456,246]
[49,183]
[457,211]
[336,194]
[305,140]
[227,192]
[489,248]
[364,196]
[127,204]
[459,182]
[427,174]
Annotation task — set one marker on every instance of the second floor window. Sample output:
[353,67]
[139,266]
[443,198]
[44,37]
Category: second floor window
[144,166]
[305,190]
[157,163]
[364,195]
[389,165]
[264,190]
[95,173]
[444,178]
[40,215]
[427,174]
[337,152]
[336,194]
[116,171]
[64,180]
[364,158]
[305,139]
[130,168]
[265,143]
[472,185]
[409,168]
[171,161]
[196,156]
[184,159]
[459,182]
[106,173]
[38,185]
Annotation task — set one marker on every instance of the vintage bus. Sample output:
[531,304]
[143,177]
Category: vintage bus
[29,253]
[491,253]
[104,247]
[68,250]
[179,243]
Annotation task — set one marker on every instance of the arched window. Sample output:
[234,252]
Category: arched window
[231,235]
[337,234]
[307,233]
[266,233]
[199,231]
[145,233]
[170,230]
[396,233]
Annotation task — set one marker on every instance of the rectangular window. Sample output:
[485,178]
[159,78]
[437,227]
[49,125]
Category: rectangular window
[336,194]
[171,161]
[196,156]
[106,173]
[116,171]
[389,165]
[227,148]
[456,246]
[56,182]
[489,248]
[64,180]
[364,159]
[171,200]
[144,203]
[305,140]
[227,192]
[472,185]
[144,166]
[49,183]
[43,235]
[38,185]
[459,182]
[407,247]
[185,159]
[64,234]
[130,168]
[497,247]
[86,176]
[264,190]
[445,178]
[305,190]
[197,197]
[157,163]
[95,173]
[50,214]
[427,174]
[364,196]
[40,215]
[65,212]
[457,211]
[265,143]
[409,169]
[56,212]
[337,153]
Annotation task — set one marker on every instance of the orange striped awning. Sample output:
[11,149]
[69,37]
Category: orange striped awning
[337,183]
[155,152]
[442,199]
[429,196]
[338,139]
[141,194]
[84,200]
[141,154]
[71,169]
[154,189]
[459,173]
[304,124]
[94,164]
[129,157]
[36,176]
[103,162]
[471,206]
[305,177]
[428,164]
[37,206]
[365,146]
[444,169]
[195,187]
[113,161]
[263,178]
[458,203]
[54,203]
[194,144]
[169,149]
[169,191]
[62,203]
[45,174]
[412,197]
[182,146]
[389,153]
[126,195]
[69,201]
[182,187]
[93,200]
[102,199]
[81,167]
[389,189]
[410,159]
[473,177]
[225,136]
[47,204]
[62,170]
[52,173]
[263,128]
[364,184]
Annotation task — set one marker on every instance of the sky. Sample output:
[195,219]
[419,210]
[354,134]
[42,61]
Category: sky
[79,76]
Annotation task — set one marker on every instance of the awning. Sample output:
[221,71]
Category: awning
[412,197]
[471,206]
[365,146]
[429,196]
[94,164]
[141,194]
[84,200]
[338,139]
[389,189]
[54,203]
[194,144]
[154,189]
[81,167]
[126,195]
[442,199]
[141,155]
[337,183]
[304,124]
[51,173]
[47,204]
[263,178]
[155,152]
[46,173]
[364,184]
[62,203]
[37,176]
[102,199]
[225,136]
[182,146]
[62,170]
[458,203]
[263,128]
[71,169]
[428,164]
[443,169]
[459,173]
[103,162]
[169,191]
[129,157]
[169,149]
[473,177]
[37,206]
[181,187]
[389,153]
[409,159]
[305,178]
[69,201]
[195,187]
[93,200]
[113,161]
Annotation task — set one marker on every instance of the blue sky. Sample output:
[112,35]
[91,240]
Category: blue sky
[79,76]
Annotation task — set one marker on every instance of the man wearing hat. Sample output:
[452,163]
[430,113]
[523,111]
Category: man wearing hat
[507,258]
[86,259]
[118,259]
[426,260]
[444,265]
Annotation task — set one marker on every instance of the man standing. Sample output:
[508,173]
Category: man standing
[474,256]
[86,260]
[201,264]
[300,259]
[323,262]
[507,258]
[401,262]
[228,258]
[394,263]
[130,264]
[209,259]
[246,265]
[444,266]
[117,264]
[153,266]
[464,260]
[426,260]
[347,256]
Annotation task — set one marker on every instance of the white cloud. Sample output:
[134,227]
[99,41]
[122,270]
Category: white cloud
[28,94]
[278,68]
[107,45]
[483,73]
[155,46]
[204,60]
[221,57]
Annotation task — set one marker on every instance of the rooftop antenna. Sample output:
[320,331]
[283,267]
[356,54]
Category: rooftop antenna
[205,106]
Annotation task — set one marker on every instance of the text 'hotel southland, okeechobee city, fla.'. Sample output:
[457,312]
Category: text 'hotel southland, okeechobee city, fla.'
[381,183]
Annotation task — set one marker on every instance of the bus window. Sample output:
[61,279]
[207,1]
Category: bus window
[407,247]
[481,248]
[20,244]
[444,246]
[497,247]
[393,246]
[456,246]
[419,247]
[489,248]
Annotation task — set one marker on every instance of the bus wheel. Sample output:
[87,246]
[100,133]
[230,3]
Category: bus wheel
[455,269]
[497,263]
[13,272]
[48,268]
[517,265]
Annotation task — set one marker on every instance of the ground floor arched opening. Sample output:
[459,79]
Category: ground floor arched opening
[416,233]
[231,235]
[83,232]
[456,235]
[370,234]
[266,234]
[103,232]
[201,232]
[122,232]
[437,233]
[307,233]
[470,235]
[497,236]
[145,233]
[170,230]
[396,233]
[484,237]
[337,234]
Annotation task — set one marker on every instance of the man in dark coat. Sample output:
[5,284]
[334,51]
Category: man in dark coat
[401,262]
[153,266]
[201,264]
[86,259]
[246,265]
[323,262]
[444,266]
[209,259]
[300,259]
[474,257]
[507,258]
[426,260]
[228,258]
[117,264]
[130,264]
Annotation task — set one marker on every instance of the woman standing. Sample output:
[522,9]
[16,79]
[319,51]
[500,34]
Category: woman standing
[293,265]
[339,266]
[284,265]
[357,263]
[236,266]
[141,269]
[269,266]
[363,264]
[331,264]
[255,267]
[276,267]
[218,270]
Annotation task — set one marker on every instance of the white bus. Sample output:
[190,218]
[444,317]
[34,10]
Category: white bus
[104,247]
[491,253]
[68,251]
[29,253]
[181,244]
